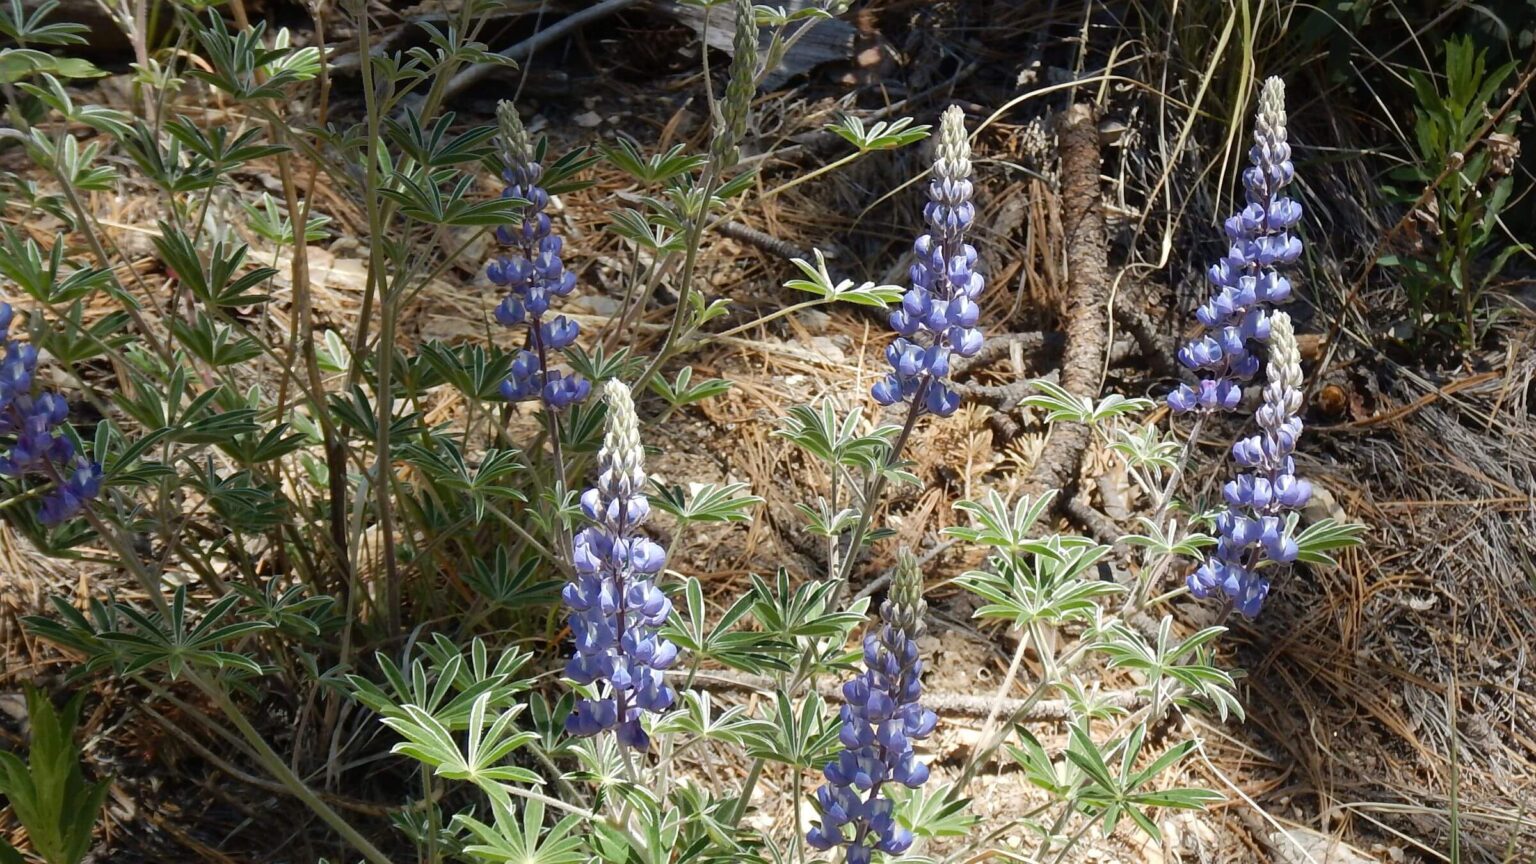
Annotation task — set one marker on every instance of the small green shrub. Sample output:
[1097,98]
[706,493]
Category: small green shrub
[1457,187]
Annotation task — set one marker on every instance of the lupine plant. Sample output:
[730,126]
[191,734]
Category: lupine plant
[616,608]
[1247,278]
[287,494]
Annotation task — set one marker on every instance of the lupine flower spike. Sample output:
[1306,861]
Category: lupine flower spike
[616,608]
[1253,529]
[937,317]
[881,717]
[532,271]
[1247,280]
[35,422]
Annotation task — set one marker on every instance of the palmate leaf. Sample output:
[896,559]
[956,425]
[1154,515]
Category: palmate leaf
[443,680]
[1316,543]
[219,283]
[801,613]
[486,744]
[176,644]
[707,502]
[932,812]
[883,135]
[1118,792]
[819,282]
[683,391]
[697,717]
[442,197]
[754,652]
[30,26]
[511,587]
[523,841]
[998,525]
[802,739]
[654,169]
[1052,581]
[835,439]
[1062,405]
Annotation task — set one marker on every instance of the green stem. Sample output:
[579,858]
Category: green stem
[831,166]
[280,771]
[685,284]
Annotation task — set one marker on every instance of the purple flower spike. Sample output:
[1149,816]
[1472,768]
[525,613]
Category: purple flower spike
[617,611]
[881,717]
[34,421]
[1245,279]
[1252,533]
[937,317]
[532,271]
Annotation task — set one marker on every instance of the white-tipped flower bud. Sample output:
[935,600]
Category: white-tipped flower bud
[1271,119]
[517,147]
[622,454]
[952,161]
[904,606]
[1284,364]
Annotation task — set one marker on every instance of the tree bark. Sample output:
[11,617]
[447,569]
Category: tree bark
[1087,251]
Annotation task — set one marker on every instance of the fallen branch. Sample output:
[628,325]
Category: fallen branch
[1087,288]
[521,51]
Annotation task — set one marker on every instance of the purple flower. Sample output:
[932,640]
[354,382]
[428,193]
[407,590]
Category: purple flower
[1251,533]
[532,271]
[616,609]
[1246,280]
[881,717]
[937,317]
[35,422]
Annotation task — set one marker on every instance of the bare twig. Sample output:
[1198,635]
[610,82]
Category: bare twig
[473,74]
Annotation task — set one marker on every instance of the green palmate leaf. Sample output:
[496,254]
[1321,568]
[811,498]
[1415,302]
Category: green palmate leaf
[177,643]
[270,221]
[697,717]
[654,169]
[1320,539]
[835,439]
[220,282]
[819,282]
[707,502]
[432,146]
[883,135]
[748,651]
[28,24]
[444,681]
[998,525]
[803,738]
[933,811]
[20,64]
[1062,405]
[1162,542]
[442,196]
[48,280]
[1053,581]
[524,841]
[685,391]
[801,613]
[245,68]
[511,587]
